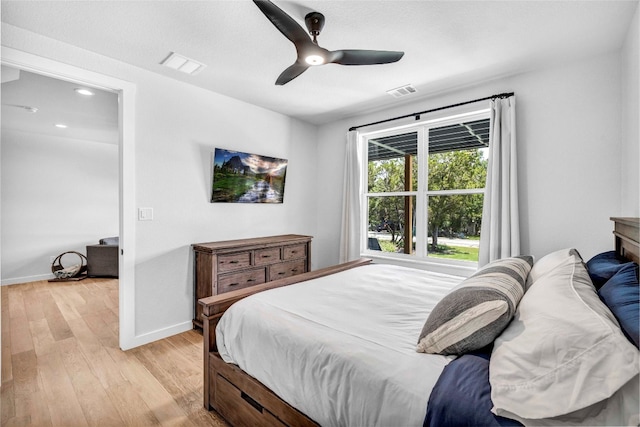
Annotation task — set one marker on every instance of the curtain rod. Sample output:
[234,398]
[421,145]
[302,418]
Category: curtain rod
[417,115]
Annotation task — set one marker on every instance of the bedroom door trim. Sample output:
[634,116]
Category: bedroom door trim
[126,152]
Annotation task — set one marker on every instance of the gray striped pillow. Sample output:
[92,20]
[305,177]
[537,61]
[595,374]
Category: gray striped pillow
[476,311]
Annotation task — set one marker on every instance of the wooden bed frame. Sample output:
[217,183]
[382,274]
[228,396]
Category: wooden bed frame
[627,237]
[244,401]
[238,397]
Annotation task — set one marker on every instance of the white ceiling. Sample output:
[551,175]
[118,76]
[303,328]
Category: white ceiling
[88,118]
[447,44]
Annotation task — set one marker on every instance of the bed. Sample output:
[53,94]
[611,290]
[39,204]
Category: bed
[369,344]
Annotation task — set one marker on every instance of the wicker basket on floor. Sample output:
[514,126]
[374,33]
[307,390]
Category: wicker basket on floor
[73,272]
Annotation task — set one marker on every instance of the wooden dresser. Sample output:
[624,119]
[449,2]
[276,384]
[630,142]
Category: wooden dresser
[235,264]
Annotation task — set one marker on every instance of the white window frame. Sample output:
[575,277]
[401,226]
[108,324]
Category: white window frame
[420,258]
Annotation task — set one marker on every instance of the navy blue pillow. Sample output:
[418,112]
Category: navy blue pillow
[602,267]
[621,294]
[462,395]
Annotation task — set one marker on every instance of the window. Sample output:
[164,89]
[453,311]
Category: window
[425,187]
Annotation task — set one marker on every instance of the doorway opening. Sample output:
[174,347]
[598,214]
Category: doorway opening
[125,94]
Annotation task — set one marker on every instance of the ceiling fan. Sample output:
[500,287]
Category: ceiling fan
[309,52]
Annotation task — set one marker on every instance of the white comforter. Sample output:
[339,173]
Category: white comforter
[342,348]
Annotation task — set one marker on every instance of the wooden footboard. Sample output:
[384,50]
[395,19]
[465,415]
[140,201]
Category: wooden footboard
[238,397]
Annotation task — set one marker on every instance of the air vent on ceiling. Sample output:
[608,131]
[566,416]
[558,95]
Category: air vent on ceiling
[402,91]
[182,63]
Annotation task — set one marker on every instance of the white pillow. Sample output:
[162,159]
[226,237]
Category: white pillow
[547,263]
[563,351]
[621,409]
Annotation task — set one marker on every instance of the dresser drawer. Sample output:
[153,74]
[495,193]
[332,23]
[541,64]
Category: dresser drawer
[233,281]
[294,252]
[234,261]
[286,269]
[267,256]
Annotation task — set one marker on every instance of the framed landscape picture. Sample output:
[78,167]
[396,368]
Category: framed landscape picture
[247,178]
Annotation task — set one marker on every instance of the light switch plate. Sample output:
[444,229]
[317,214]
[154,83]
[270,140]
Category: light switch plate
[145,214]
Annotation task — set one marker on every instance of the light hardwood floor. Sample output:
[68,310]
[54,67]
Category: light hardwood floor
[61,364]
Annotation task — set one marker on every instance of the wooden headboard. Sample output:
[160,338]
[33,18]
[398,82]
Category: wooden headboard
[627,237]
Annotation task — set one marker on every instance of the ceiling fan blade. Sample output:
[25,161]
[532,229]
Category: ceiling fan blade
[291,73]
[364,57]
[283,22]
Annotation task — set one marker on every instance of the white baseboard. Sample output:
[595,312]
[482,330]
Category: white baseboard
[159,334]
[26,279]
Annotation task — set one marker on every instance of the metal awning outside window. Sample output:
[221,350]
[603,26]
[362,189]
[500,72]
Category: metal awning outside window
[463,136]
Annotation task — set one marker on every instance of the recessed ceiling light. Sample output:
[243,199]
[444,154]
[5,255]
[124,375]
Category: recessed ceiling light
[83,91]
[61,125]
[182,63]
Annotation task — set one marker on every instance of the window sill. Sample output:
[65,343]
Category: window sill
[443,266]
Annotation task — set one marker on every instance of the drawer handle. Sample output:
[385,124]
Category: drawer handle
[266,256]
[251,402]
[233,262]
[295,270]
[251,280]
[281,273]
[234,284]
[294,252]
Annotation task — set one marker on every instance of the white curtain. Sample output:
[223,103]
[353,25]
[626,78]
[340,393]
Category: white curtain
[350,232]
[500,231]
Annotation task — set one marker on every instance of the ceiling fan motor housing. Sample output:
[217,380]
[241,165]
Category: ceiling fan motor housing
[314,22]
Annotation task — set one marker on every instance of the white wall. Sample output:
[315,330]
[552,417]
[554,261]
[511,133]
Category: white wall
[631,121]
[58,195]
[568,130]
[177,128]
